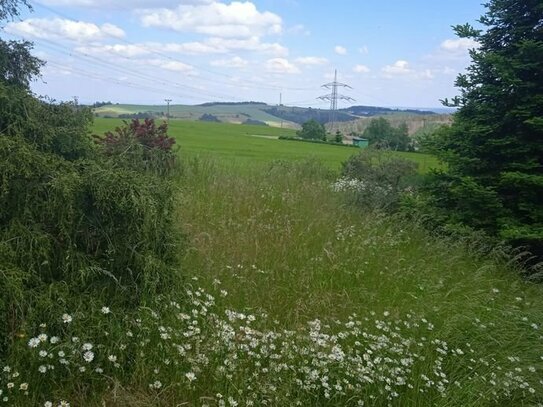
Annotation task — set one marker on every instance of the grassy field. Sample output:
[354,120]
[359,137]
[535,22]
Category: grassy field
[235,113]
[242,144]
[291,296]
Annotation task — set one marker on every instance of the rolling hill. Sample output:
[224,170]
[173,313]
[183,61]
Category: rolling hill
[275,116]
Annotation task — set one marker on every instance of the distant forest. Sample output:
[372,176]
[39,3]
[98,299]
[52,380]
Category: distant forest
[300,115]
[208,104]
[375,111]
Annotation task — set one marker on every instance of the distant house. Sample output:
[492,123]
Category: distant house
[360,142]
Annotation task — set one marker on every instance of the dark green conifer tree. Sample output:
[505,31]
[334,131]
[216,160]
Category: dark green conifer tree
[494,148]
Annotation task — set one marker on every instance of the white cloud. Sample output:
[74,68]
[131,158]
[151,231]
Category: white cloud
[459,45]
[361,69]
[209,46]
[338,49]
[298,29]
[363,49]
[175,66]
[59,28]
[217,45]
[235,62]
[399,67]
[311,61]
[129,51]
[120,4]
[281,66]
[237,19]
[426,74]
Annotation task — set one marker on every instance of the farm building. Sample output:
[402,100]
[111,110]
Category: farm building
[360,142]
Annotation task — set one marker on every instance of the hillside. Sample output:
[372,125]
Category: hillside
[275,116]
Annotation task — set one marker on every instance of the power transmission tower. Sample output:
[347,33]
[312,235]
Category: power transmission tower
[168,114]
[334,97]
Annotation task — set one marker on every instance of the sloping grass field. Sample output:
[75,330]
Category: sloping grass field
[312,301]
[244,144]
[234,113]
[292,296]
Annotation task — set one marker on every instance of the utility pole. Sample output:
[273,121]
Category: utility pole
[168,114]
[281,104]
[334,97]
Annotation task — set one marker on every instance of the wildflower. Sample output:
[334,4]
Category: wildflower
[105,310]
[10,385]
[54,339]
[6,369]
[23,386]
[66,318]
[99,370]
[82,369]
[33,342]
[61,354]
[535,326]
[42,337]
[88,356]
[42,369]
[43,353]
[156,385]
[190,376]
[224,293]
[48,404]
[63,403]
[87,346]
[112,358]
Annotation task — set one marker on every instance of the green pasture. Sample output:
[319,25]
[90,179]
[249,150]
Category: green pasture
[248,145]
[229,113]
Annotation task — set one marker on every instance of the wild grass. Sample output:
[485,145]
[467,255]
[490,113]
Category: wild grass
[294,297]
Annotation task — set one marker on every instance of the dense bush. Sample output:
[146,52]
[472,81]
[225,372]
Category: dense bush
[255,122]
[376,179]
[80,223]
[381,134]
[312,130]
[207,117]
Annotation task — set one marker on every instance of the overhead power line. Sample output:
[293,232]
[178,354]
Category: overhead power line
[334,97]
[254,84]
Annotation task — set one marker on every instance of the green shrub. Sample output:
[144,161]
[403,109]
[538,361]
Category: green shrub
[377,179]
[80,223]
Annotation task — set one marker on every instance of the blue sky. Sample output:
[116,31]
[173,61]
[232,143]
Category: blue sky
[391,52]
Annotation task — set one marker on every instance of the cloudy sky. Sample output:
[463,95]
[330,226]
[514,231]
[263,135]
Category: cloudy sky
[391,52]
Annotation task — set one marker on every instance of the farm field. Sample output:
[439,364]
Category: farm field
[241,144]
[234,113]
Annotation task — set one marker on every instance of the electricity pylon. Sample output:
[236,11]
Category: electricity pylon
[334,97]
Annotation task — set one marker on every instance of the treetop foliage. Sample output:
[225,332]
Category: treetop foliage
[312,129]
[494,149]
[381,134]
[10,9]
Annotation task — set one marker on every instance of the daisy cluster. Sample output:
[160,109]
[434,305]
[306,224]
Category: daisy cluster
[233,358]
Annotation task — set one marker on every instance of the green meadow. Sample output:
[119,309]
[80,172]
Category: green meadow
[283,291]
[254,145]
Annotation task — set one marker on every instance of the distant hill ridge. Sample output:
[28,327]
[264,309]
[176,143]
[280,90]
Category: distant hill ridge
[376,110]
[209,104]
[239,112]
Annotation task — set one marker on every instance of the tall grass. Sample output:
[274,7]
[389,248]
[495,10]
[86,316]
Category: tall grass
[293,297]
